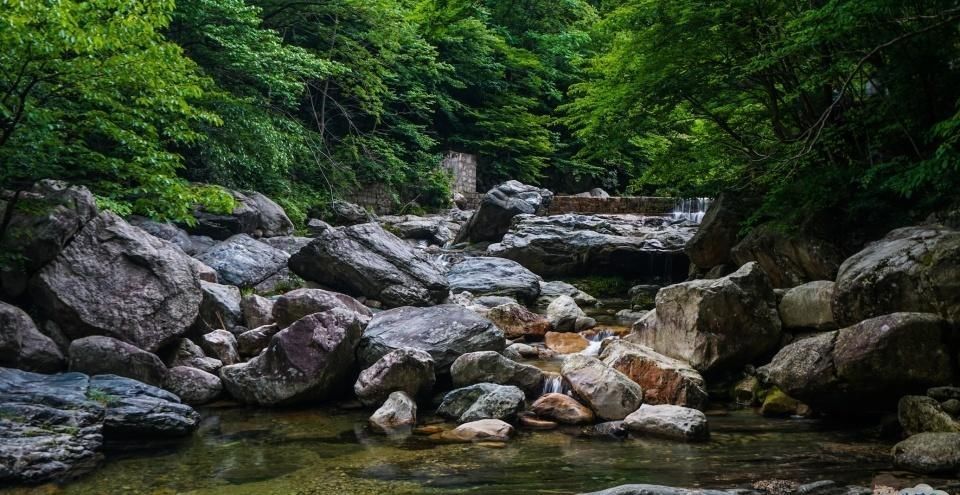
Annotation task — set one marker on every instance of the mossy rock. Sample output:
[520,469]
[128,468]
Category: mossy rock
[777,403]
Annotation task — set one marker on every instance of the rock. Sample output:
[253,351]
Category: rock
[222,345]
[631,246]
[913,269]
[669,421]
[406,370]
[664,380]
[551,290]
[922,414]
[23,346]
[115,279]
[491,367]
[244,261]
[365,259]
[951,407]
[219,308]
[497,208]
[298,303]
[609,393]
[304,362]
[136,409]
[944,393]
[745,392]
[105,355]
[41,222]
[482,401]
[606,430]
[272,221]
[562,408]
[188,354]
[929,453]
[257,310]
[789,260]
[777,403]
[316,226]
[808,306]
[165,231]
[484,430]
[445,332]
[344,213]
[433,230]
[563,314]
[288,243]
[204,272]
[201,244]
[398,413]
[717,234]
[536,423]
[714,325]
[254,214]
[193,386]
[628,317]
[565,343]
[867,366]
[494,276]
[658,490]
[251,342]
[517,321]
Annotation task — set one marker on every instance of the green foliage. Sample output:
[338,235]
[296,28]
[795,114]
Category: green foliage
[101,396]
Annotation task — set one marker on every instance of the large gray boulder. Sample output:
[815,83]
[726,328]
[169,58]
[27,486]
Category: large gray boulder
[98,355]
[714,325]
[664,380]
[23,346]
[186,353]
[554,289]
[193,386]
[717,235]
[406,370]
[669,421]
[367,260]
[115,279]
[788,259]
[435,230]
[497,208]
[345,213]
[482,401]
[257,310]
[445,332]
[253,214]
[865,367]
[298,303]
[251,342]
[609,393]
[166,231]
[808,306]
[221,345]
[484,276]
[219,308]
[305,362]
[244,261]
[920,414]
[492,367]
[929,453]
[288,243]
[565,316]
[397,414]
[914,269]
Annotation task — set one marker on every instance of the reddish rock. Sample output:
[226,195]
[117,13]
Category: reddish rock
[562,409]
[565,343]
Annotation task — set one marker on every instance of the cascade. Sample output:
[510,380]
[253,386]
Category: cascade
[692,209]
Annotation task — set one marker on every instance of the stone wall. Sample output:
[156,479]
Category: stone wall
[374,197]
[463,168]
[641,205]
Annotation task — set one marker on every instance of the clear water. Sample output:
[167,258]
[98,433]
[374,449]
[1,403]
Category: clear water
[328,451]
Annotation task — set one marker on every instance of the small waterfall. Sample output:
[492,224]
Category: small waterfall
[553,384]
[593,347]
[691,209]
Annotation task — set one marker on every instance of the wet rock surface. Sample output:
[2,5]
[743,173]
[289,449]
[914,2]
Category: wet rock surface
[491,367]
[609,393]
[497,208]
[664,380]
[407,370]
[485,276]
[482,401]
[669,421]
[244,261]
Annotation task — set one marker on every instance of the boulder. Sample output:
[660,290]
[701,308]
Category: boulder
[777,404]
[669,421]
[219,308]
[491,367]
[913,269]
[38,224]
[186,353]
[929,453]
[868,366]
[221,345]
[808,306]
[204,272]
[316,226]
[715,325]
[664,380]
[166,231]
[254,214]
[649,249]
[136,409]
[445,332]
[23,346]
[193,386]
[251,342]
[565,316]
[288,243]
[552,290]
[562,408]
[435,230]
[257,310]
[105,355]
[609,393]
[517,321]
[788,259]
[629,317]
[244,261]
[659,490]
[367,260]
[482,401]
[345,213]
[115,279]
[305,362]
[921,414]
[565,343]
[271,220]
[298,303]
[494,276]
[497,208]
[484,430]
[717,234]
[397,414]
[406,370]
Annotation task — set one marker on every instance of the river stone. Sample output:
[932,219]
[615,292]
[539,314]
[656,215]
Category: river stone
[222,345]
[485,276]
[562,408]
[115,279]
[344,213]
[244,261]
[257,310]
[40,222]
[808,306]
[717,234]
[305,362]
[480,401]
[272,221]
[777,404]
[866,366]
[253,214]
[288,243]
[219,308]
[398,413]
[664,380]
[484,430]
[105,355]
[136,409]
[565,343]
[367,260]
[929,453]
[564,314]
[204,272]
[23,346]
[659,490]
[715,325]
[788,259]
[497,208]
[251,342]
[609,393]
[445,332]
[921,414]
[298,303]
[913,269]
[517,321]
[186,353]
[491,367]
[193,386]
[406,370]
[554,289]
[669,421]
[434,230]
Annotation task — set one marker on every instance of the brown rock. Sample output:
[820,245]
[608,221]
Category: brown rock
[518,321]
[664,380]
[565,343]
[563,409]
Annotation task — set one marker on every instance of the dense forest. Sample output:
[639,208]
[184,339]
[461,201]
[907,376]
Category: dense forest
[815,107]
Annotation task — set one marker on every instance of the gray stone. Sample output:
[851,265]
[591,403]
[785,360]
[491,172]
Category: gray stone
[929,453]
[219,308]
[271,220]
[316,226]
[244,261]
[221,345]
[165,231]
[137,409]
[808,306]
[288,244]
[717,234]
[193,386]
[494,276]
[254,214]
[664,380]
[788,259]
[251,342]
[551,290]
[609,393]
[484,430]
[434,230]
[298,303]
[659,490]
[563,314]
[204,272]
[921,414]
[482,401]
[186,353]
[23,346]
[344,213]
[257,310]
[669,421]
[497,208]
[397,414]
[406,370]
[98,355]
[491,367]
